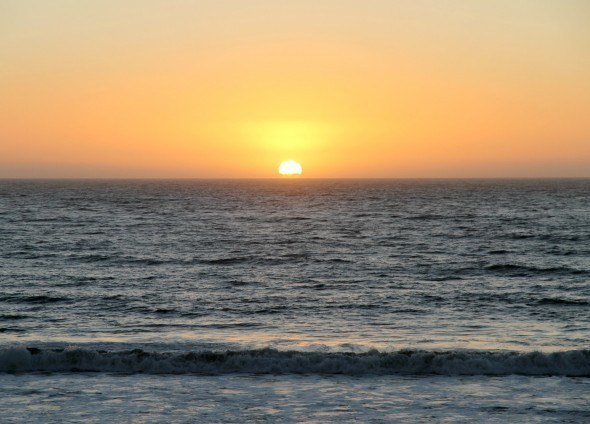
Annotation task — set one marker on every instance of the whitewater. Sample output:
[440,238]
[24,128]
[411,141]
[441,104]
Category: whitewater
[295,300]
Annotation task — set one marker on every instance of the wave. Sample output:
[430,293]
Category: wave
[149,261]
[13,317]
[40,299]
[561,301]
[257,260]
[526,270]
[425,217]
[271,361]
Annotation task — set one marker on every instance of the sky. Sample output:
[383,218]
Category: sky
[350,89]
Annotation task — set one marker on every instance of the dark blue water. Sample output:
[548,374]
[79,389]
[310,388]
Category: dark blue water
[295,276]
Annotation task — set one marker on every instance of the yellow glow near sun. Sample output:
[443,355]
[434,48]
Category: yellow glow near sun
[290,168]
[288,137]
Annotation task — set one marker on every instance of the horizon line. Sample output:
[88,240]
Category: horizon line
[293,178]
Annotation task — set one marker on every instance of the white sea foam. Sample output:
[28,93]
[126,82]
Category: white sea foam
[271,361]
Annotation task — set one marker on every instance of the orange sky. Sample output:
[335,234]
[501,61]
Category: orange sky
[220,88]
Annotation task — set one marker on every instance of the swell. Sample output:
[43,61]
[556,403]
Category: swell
[528,270]
[271,361]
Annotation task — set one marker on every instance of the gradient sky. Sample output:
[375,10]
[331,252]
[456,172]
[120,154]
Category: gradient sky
[230,88]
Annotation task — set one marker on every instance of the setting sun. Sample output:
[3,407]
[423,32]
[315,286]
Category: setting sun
[290,168]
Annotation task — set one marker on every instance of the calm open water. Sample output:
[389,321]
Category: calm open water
[295,299]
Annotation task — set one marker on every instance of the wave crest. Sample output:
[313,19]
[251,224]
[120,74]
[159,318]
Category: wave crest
[271,361]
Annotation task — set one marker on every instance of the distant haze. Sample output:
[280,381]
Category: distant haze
[220,88]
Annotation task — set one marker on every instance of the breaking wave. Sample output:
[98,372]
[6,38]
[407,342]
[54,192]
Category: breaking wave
[271,361]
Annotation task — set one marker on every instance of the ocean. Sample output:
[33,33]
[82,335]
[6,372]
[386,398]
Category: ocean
[295,300]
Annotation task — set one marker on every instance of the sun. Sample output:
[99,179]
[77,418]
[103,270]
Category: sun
[290,168]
